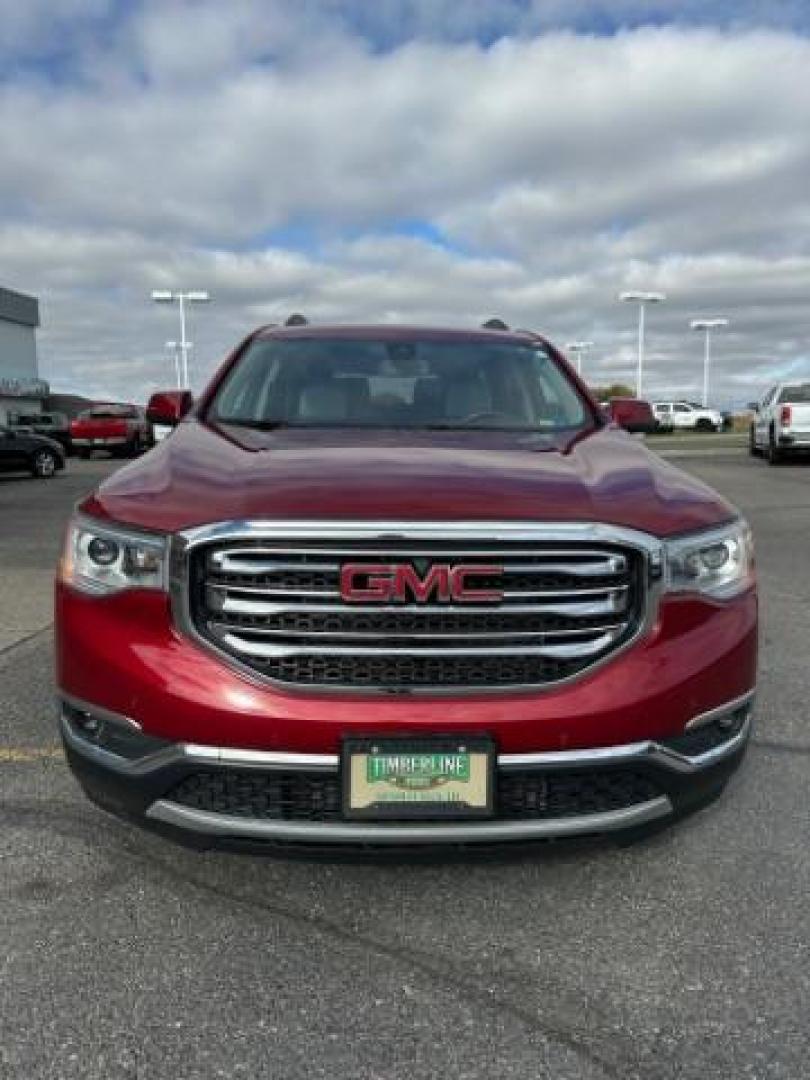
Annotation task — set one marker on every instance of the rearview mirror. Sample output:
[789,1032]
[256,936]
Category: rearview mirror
[169,407]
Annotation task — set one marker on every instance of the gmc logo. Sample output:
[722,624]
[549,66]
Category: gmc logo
[382,583]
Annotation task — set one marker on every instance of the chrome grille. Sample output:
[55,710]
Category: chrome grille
[274,604]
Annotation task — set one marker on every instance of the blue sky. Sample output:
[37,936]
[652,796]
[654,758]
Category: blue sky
[409,160]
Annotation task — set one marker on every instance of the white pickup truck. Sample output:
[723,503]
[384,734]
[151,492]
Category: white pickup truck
[781,423]
[684,414]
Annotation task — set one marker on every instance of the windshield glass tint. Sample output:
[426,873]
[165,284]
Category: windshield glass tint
[110,412]
[316,382]
[799,395]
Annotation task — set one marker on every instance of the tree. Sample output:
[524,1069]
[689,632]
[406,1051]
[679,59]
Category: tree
[605,393]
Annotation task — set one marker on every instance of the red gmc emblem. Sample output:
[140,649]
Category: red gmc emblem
[381,583]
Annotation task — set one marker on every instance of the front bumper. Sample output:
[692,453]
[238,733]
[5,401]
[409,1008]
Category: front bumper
[105,440]
[217,796]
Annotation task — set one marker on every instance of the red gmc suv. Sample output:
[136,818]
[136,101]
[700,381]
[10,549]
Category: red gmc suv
[402,586]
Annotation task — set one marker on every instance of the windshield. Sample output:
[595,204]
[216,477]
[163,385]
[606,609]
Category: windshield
[318,382]
[799,395]
[109,412]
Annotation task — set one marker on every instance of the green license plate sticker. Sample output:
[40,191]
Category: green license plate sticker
[420,778]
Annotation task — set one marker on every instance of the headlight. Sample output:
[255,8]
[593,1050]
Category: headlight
[100,558]
[719,562]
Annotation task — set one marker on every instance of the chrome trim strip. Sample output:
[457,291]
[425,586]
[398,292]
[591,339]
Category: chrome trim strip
[730,706]
[237,606]
[469,832]
[650,548]
[508,594]
[639,752]
[388,532]
[359,636]
[266,650]
[393,545]
[238,561]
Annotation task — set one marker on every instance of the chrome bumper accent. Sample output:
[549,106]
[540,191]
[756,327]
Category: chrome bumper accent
[470,832]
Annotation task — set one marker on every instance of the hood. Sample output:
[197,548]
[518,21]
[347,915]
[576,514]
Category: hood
[201,474]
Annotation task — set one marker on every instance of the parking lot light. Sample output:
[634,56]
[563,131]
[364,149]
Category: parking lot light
[166,296]
[642,299]
[706,326]
[175,349]
[578,348]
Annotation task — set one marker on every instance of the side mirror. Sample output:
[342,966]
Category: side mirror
[169,407]
[753,406]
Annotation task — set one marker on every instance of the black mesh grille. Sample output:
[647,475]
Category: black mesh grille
[299,796]
[566,794]
[293,796]
[407,671]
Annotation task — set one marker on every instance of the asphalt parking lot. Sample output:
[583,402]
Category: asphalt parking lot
[686,955]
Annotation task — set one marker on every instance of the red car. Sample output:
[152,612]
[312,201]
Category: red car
[632,414]
[402,586]
[122,429]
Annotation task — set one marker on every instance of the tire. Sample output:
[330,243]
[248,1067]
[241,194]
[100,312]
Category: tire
[44,464]
[773,454]
[705,425]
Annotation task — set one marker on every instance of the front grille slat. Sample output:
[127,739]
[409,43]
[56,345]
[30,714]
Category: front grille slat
[275,605]
[248,646]
[233,601]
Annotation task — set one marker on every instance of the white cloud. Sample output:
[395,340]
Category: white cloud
[273,157]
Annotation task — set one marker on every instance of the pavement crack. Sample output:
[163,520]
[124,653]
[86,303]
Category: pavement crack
[26,640]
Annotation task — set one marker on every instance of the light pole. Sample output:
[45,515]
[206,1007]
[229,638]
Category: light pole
[166,296]
[578,348]
[707,325]
[174,348]
[642,299]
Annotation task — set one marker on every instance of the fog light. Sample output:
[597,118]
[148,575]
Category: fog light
[731,721]
[89,725]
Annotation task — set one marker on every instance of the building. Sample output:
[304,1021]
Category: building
[21,389]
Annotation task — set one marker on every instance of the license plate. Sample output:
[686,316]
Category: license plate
[418,778]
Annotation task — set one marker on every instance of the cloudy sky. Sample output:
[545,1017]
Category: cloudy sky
[409,160]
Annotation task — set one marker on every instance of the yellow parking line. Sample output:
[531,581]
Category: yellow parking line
[24,755]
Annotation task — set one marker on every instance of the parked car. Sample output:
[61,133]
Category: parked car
[685,415]
[397,586]
[53,424]
[25,451]
[781,424]
[632,414]
[124,430]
